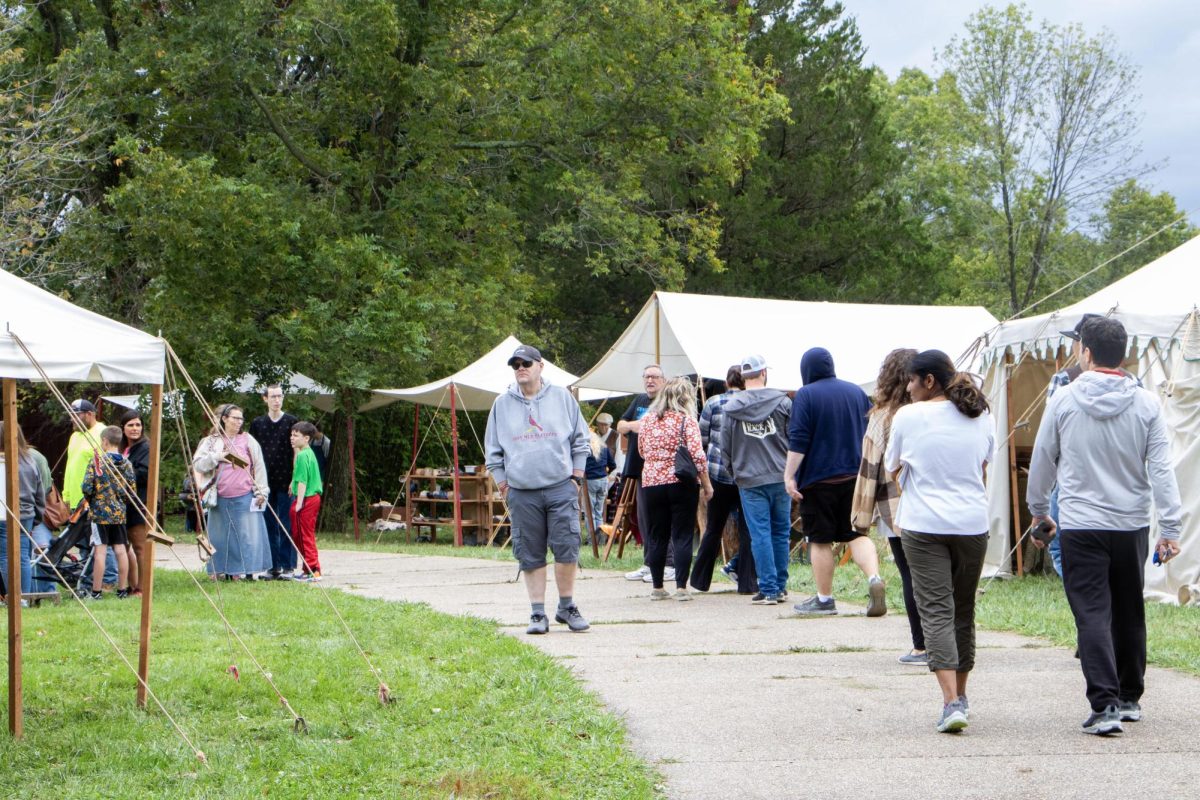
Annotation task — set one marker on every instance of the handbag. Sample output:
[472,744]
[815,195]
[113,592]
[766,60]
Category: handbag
[56,514]
[685,467]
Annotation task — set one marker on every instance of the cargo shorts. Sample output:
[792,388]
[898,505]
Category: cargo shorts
[545,519]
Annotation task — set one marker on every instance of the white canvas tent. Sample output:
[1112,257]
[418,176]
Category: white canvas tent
[706,334]
[69,343]
[477,385]
[1157,305]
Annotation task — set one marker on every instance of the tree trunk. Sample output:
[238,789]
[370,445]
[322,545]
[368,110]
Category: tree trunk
[335,502]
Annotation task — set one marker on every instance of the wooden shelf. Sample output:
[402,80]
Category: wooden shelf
[477,504]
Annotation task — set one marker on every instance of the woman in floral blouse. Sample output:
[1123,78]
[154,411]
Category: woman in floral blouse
[670,504]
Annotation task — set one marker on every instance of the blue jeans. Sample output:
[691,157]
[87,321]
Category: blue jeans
[1055,548]
[768,512]
[26,553]
[283,554]
[42,537]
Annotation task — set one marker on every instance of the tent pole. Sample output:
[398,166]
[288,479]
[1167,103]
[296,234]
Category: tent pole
[353,473]
[457,506]
[1014,488]
[657,330]
[412,466]
[146,562]
[16,716]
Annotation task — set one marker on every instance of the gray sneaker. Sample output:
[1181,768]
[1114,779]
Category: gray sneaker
[638,574]
[954,718]
[571,617]
[814,607]
[877,598]
[1129,711]
[1104,723]
[538,624]
[913,657]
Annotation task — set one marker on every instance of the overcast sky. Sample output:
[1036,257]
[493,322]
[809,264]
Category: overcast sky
[1161,37]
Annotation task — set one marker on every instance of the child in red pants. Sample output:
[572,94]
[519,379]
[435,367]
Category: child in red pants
[306,498]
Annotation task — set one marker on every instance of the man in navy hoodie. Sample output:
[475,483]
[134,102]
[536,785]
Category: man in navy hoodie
[829,418]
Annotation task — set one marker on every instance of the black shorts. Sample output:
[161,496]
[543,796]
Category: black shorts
[113,534]
[825,512]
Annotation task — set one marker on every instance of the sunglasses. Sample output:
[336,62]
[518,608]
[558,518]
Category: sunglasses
[519,363]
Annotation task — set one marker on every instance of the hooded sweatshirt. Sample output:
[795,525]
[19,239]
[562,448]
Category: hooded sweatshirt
[829,419]
[534,443]
[1105,442]
[754,436]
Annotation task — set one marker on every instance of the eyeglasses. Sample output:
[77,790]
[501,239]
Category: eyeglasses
[652,377]
[521,364]
[236,419]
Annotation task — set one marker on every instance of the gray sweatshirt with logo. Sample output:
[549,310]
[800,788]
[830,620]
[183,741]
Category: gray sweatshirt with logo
[533,443]
[754,440]
[1104,440]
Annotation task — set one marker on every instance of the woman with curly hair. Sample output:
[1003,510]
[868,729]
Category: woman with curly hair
[876,495]
[938,452]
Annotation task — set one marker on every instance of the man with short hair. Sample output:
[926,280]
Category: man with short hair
[273,432]
[1103,439]
[653,380]
[535,446]
[754,447]
[829,418]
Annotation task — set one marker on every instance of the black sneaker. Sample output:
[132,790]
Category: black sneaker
[94,596]
[1129,711]
[1104,723]
[122,594]
[761,599]
[538,623]
[728,573]
[571,617]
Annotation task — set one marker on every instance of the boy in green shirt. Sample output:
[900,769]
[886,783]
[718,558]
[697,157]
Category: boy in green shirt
[306,498]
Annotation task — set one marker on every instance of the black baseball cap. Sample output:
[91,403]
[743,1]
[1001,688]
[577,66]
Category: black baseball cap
[83,407]
[1077,331]
[524,353]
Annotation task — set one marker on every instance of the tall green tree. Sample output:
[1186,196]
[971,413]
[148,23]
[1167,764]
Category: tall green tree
[1053,128]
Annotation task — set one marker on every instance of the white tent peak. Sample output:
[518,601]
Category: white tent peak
[701,334]
[478,384]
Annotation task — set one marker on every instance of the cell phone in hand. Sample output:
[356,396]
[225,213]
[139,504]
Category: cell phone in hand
[1042,531]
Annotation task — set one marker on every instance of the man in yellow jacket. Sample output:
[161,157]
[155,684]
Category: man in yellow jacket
[80,450]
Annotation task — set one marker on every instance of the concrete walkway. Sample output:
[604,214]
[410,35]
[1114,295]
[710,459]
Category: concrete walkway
[729,700]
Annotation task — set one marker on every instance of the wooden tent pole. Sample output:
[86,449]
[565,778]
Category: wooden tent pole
[457,505]
[146,562]
[1013,485]
[657,330]
[412,466]
[353,474]
[16,718]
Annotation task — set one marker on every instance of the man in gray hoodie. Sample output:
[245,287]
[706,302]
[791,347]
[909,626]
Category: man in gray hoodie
[1105,442]
[536,446]
[754,447]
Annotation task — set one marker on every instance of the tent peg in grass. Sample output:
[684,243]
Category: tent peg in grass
[300,726]
[233,670]
[385,694]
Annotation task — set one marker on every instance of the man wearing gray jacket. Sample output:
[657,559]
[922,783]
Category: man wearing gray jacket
[536,446]
[1104,440]
[754,447]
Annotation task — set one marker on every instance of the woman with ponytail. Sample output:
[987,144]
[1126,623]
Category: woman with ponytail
[938,452]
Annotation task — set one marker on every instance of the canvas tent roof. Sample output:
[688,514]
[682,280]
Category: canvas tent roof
[706,334]
[71,343]
[1152,303]
[478,384]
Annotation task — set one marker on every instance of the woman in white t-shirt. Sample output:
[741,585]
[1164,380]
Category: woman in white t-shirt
[939,449]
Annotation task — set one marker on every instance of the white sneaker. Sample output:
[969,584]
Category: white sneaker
[641,573]
[668,575]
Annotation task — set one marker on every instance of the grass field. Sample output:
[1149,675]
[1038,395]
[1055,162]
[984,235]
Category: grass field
[477,714]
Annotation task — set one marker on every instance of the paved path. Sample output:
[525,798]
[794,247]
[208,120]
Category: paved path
[729,700]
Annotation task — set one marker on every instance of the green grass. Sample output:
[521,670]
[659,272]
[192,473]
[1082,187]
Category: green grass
[1034,605]
[477,713]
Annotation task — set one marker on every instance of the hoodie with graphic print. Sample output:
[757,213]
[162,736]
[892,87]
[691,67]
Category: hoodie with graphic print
[534,443]
[754,443]
[1105,442]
